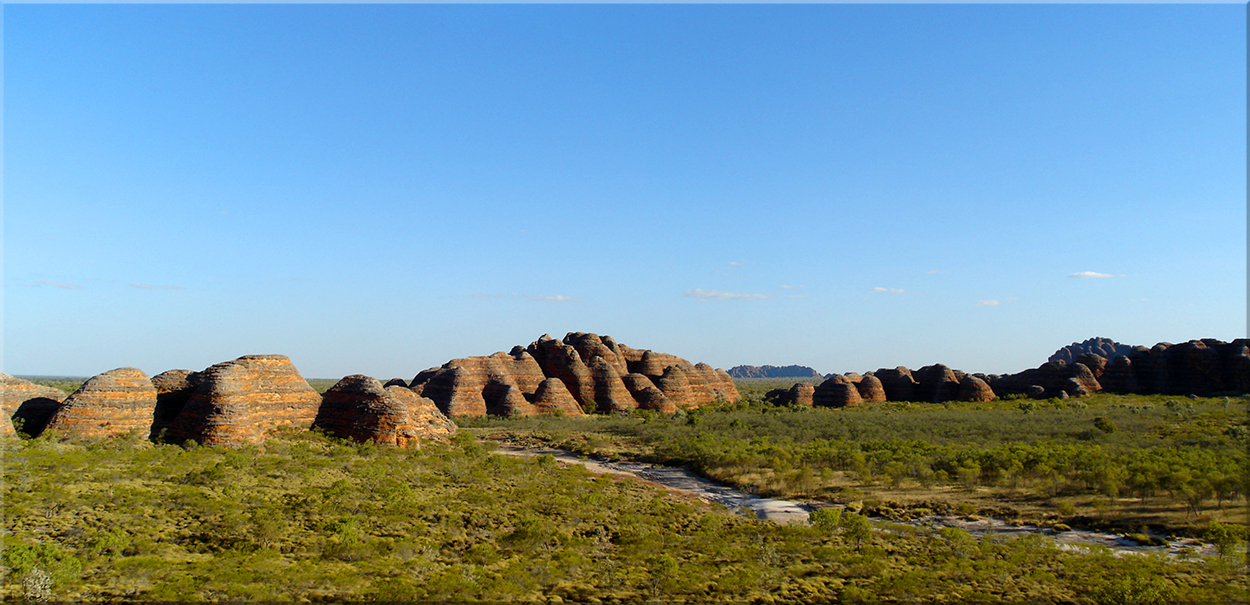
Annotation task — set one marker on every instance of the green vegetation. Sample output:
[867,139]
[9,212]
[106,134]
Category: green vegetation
[310,517]
[1110,462]
[68,384]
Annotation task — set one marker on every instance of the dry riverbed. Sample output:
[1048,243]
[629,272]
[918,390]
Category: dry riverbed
[784,511]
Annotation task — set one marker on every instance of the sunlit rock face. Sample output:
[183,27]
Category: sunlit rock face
[596,372]
[114,403]
[27,403]
[362,409]
[240,402]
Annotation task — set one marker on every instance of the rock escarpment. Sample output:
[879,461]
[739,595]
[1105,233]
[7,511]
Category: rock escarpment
[239,402]
[1198,367]
[596,372]
[791,371]
[114,403]
[360,408]
[27,404]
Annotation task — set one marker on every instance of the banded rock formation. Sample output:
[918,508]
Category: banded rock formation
[28,404]
[173,389]
[595,371]
[109,404]
[239,402]
[360,408]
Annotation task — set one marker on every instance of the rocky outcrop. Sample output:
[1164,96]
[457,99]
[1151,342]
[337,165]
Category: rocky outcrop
[648,396]
[936,383]
[773,372]
[1102,347]
[360,408]
[114,403]
[28,404]
[973,388]
[870,388]
[593,370]
[898,383]
[552,397]
[241,401]
[836,392]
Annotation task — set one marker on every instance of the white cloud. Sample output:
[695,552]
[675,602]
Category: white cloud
[59,284]
[988,303]
[556,298]
[887,290]
[1090,275]
[718,295]
[739,263]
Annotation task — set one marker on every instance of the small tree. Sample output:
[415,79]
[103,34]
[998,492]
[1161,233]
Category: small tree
[857,529]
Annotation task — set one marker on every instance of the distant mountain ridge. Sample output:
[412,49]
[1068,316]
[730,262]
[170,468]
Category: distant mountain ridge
[773,372]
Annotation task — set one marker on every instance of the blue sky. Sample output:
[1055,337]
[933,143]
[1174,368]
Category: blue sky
[379,189]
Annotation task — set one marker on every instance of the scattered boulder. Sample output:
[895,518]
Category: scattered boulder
[239,402]
[360,408]
[28,404]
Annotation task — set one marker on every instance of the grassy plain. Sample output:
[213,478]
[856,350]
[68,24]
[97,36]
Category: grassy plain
[312,518]
[1123,463]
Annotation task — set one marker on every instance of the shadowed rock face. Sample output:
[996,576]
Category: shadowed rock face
[592,368]
[898,383]
[241,401]
[30,404]
[648,396]
[109,404]
[936,383]
[173,390]
[360,408]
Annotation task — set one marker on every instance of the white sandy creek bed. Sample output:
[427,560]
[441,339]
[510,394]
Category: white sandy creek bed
[786,511]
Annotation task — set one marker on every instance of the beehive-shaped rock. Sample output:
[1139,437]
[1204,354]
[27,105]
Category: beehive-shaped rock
[611,395]
[836,392]
[870,388]
[972,388]
[553,397]
[28,404]
[898,383]
[241,401]
[936,383]
[109,404]
[648,396]
[360,408]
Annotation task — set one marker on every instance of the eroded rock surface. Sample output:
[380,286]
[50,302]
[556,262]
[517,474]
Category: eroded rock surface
[596,371]
[241,401]
[361,408]
[114,403]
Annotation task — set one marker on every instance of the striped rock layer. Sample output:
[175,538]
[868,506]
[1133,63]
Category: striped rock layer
[241,401]
[109,404]
[28,404]
[360,408]
[597,373]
